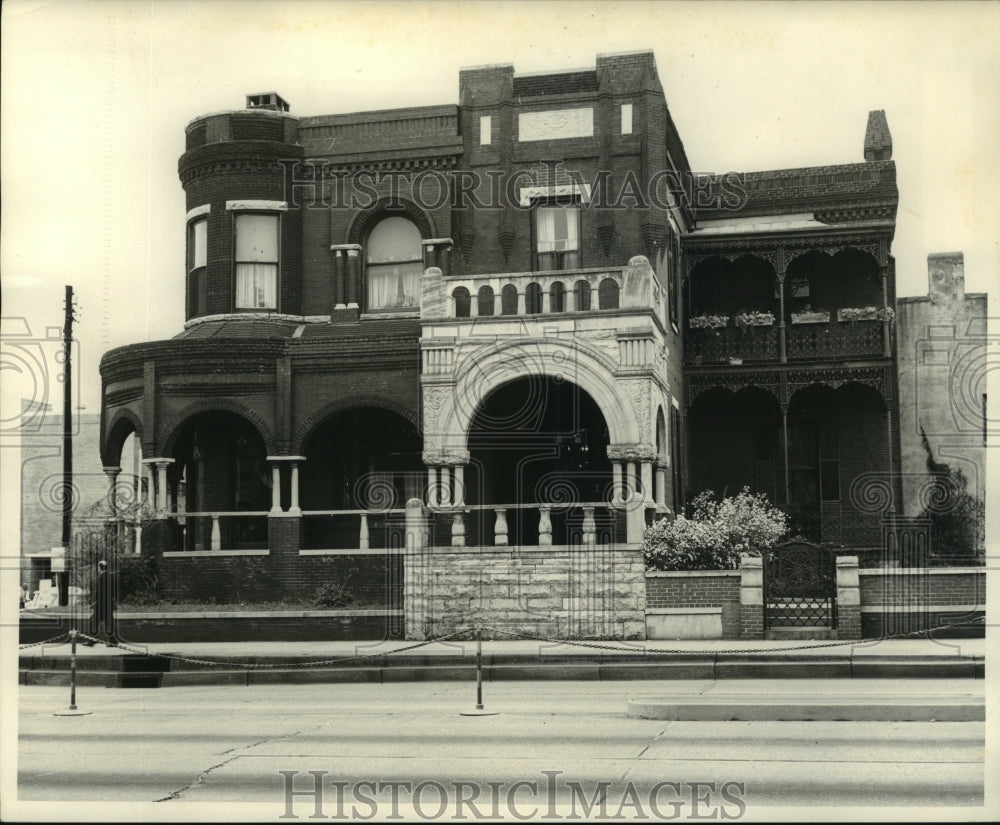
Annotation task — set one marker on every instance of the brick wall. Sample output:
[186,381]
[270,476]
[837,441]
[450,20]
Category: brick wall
[700,588]
[923,585]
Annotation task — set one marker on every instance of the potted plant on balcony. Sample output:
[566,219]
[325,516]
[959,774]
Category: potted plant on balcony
[708,321]
[808,315]
[870,313]
[754,318]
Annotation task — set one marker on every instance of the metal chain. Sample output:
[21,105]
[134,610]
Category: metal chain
[839,643]
[46,642]
[513,634]
[272,665]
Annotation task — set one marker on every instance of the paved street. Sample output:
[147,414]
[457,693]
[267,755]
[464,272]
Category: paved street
[181,749]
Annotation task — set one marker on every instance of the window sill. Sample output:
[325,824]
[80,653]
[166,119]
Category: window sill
[409,312]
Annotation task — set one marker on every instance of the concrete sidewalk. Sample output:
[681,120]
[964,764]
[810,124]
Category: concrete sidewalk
[306,662]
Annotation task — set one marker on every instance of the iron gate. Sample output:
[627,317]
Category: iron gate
[800,586]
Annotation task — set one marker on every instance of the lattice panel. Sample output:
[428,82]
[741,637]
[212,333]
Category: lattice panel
[800,611]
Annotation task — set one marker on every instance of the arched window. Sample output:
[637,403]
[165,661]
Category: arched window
[486,300]
[582,289]
[557,297]
[607,294]
[508,300]
[463,302]
[394,264]
[533,299]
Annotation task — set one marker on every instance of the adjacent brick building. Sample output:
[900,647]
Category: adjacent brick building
[453,358]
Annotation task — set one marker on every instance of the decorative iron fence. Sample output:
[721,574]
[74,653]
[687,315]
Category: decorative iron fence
[800,586]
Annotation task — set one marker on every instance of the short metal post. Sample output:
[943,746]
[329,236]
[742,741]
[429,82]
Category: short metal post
[72,709]
[479,681]
[479,669]
[72,669]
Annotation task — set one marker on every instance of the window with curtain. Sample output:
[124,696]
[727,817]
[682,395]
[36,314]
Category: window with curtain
[197,260]
[395,263]
[557,237]
[256,261]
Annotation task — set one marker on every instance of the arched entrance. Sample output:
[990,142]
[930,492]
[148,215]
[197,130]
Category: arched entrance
[538,440]
[220,466]
[365,458]
[735,443]
[834,436]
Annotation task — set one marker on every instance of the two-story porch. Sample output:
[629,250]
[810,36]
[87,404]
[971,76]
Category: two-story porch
[790,371]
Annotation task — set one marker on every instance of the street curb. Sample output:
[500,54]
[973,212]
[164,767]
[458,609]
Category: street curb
[54,670]
[733,708]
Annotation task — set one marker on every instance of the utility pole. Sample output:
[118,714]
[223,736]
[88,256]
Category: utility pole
[67,489]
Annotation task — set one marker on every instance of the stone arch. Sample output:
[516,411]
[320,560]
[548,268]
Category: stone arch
[305,429]
[389,208]
[448,411]
[168,432]
[123,423]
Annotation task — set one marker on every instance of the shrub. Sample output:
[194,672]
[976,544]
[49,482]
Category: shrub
[715,534]
[957,518]
[333,594]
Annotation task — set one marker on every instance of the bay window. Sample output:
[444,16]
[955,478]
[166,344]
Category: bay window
[256,261]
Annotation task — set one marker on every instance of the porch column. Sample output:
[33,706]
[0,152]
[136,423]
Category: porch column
[150,483]
[161,483]
[616,488]
[888,432]
[294,509]
[112,474]
[784,451]
[647,482]
[431,484]
[630,485]
[886,348]
[458,485]
[780,274]
[661,488]
[275,487]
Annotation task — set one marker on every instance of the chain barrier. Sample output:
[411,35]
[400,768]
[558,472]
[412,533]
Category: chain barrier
[271,665]
[682,651]
[620,648]
[64,636]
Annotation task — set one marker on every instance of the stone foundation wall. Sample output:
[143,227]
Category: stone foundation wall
[552,592]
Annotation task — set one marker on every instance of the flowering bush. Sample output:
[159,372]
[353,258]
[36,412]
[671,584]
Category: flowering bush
[716,534]
[708,321]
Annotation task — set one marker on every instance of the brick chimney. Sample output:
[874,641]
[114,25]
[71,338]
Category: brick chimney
[878,141]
